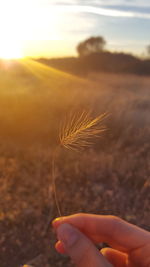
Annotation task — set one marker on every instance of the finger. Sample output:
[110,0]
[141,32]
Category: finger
[110,229]
[81,250]
[60,247]
[116,258]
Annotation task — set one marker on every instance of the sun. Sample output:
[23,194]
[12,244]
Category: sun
[11,45]
[10,50]
[23,23]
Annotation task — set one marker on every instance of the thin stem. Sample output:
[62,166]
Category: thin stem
[54,180]
[53,176]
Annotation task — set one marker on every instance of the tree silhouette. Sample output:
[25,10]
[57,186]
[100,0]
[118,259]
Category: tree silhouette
[91,45]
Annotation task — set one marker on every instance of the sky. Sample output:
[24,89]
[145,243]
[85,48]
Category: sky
[53,28]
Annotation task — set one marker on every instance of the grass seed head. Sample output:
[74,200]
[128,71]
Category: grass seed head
[78,131]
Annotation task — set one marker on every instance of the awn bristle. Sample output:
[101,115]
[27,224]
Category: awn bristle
[78,131]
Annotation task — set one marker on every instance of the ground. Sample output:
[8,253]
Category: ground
[110,177]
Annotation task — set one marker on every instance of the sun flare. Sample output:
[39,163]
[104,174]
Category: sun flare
[10,29]
[23,23]
[9,50]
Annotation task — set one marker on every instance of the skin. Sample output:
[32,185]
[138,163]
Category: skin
[77,235]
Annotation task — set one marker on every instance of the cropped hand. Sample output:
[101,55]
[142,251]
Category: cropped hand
[78,234]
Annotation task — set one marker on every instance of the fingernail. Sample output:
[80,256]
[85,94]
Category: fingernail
[67,234]
[56,222]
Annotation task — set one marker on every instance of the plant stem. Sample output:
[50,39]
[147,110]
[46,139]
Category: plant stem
[54,180]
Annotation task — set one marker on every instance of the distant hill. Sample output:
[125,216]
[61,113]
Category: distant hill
[103,62]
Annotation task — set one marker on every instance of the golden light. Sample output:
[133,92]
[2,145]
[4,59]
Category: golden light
[24,21]
[10,25]
[9,50]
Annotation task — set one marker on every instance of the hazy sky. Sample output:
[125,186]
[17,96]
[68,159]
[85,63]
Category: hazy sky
[54,27]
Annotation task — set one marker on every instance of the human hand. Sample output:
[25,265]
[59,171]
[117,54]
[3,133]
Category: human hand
[77,234]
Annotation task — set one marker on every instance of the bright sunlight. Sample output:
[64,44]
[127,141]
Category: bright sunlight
[11,45]
[9,50]
[22,22]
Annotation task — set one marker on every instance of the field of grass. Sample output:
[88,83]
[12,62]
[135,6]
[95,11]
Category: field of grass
[111,177]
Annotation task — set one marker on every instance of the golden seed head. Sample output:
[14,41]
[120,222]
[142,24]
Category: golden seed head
[78,131]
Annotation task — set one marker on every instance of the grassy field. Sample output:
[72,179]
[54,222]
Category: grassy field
[111,177]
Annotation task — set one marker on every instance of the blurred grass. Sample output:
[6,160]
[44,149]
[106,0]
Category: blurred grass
[110,178]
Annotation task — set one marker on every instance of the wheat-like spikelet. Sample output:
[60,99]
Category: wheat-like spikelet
[79,130]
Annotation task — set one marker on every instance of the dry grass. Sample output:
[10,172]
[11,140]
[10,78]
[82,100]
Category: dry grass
[79,129]
[76,134]
[112,177]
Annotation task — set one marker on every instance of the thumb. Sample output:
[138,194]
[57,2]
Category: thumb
[80,249]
